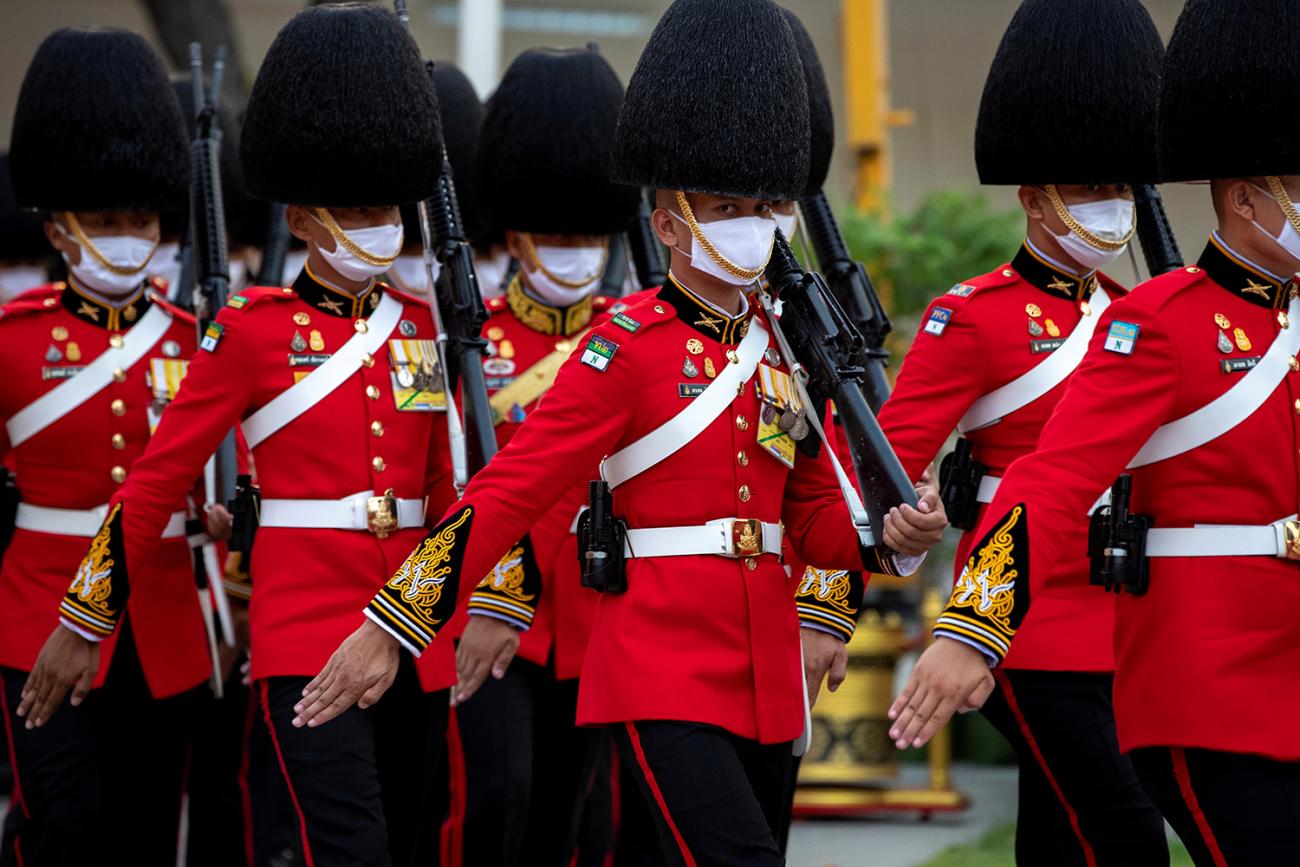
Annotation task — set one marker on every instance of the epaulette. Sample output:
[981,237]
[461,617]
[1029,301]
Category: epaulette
[497,304]
[1159,290]
[1113,288]
[637,318]
[246,298]
[158,285]
[42,298]
[960,293]
[177,312]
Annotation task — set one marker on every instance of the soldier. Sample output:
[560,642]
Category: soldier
[1191,385]
[542,178]
[89,365]
[331,382]
[24,252]
[695,669]
[992,358]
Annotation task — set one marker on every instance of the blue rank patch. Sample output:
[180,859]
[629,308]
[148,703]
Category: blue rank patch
[1121,337]
[938,321]
[961,290]
[212,336]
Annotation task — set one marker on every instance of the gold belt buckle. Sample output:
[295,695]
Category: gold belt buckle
[381,514]
[747,537]
[1291,530]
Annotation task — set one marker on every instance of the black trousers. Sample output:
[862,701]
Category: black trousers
[100,783]
[359,786]
[1229,809]
[717,800]
[523,777]
[1080,799]
[217,836]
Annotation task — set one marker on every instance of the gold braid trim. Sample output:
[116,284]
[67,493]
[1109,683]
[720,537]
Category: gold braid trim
[723,262]
[1075,226]
[326,219]
[89,246]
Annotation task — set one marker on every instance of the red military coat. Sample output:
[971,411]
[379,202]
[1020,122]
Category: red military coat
[527,341]
[308,584]
[1208,656]
[80,462]
[981,335]
[697,638]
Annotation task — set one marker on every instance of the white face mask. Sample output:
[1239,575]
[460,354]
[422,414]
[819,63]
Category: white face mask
[380,243]
[163,265]
[745,242]
[1109,219]
[238,275]
[127,254]
[408,274]
[566,275]
[787,223]
[17,280]
[1289,238]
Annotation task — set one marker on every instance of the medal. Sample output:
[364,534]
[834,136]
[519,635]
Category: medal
[1035,330]
[316,340]
[801,427]
[694,346]
[1033,309]
[406,327]
[772,356]
[1243,342]
[709,370]
[74,351]
[768,413]
[496,332]
[171,348]
[53,355]
[405,378]
[58,332]
[301,318]
[298,344]
[1052,330]
[787,420]
[1225,345]
[506,349]
[1222,321]
[732,356]
[689,368]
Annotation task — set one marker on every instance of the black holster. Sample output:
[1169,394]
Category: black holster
[1117,543]
[600,543]
[959,485]
[245,510]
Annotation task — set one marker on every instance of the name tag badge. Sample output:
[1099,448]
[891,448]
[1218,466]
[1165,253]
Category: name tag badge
[774,387]
[417,380]
[690,389]
[1239,365]
[1049,344]
[938,321]
[62,372]
[775,441]
[1121,337]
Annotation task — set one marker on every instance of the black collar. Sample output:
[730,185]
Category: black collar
[83,305]
[1043,274]
[336,302]
[701,316]
[1242,278]
[543,318]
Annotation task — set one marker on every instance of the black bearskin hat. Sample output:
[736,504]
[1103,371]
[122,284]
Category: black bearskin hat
[22,232]
[461,114]
[342,114]
[821,119]
[1230,87]
[717,104]
[97,127]
[1071,96]
[543,160]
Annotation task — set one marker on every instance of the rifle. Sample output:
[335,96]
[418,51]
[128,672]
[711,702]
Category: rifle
[647,252]
[271,270]
[1159,247]
[459,316]
[824,350]
[851,286]
[211,285]
[614,278]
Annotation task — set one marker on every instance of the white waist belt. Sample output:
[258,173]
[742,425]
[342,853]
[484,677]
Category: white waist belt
[79,522]
[349,513]
[989,487]
[1219,540]
[725,537]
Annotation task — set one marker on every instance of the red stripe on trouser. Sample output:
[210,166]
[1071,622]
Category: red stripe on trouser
[1184,777]
[13,764]
[245,797]
[644,765]
[1089,858]
[279,757]
[452,837]
[615,804]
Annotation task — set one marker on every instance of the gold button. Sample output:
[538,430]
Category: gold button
[1085,308]
[1295,363]
[1192,269]
[287,291]
[119,375]
[119,441]
[378,464]
[1007,272]
[744,489]
[751,563]
[732,356]
[659,308]
[742,458]
[377,428]
[1283,319]
[118,474]
[361,326]
[115,341]
[118,407]
[742,423]
[372,392]
[368,360]
[49,302]
[1297,406]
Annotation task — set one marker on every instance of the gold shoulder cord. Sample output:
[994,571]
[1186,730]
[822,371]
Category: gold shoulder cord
[1075,226]
[89,246]
[1284,201]
[723,262]
[326,219]
[527,240]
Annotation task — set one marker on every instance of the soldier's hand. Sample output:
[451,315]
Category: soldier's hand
[359,673]
[487,645]
[67,661]
[219,521]
[914,531]
[949,677]
[824,657]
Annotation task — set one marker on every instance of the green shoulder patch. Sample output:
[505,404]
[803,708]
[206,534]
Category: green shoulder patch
[622,320]
[599,352]
[237,301]
[212,336]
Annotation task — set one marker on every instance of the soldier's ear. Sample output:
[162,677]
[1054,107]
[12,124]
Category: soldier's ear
[300,222]
[665,227]
[1239,198]
[1033,201]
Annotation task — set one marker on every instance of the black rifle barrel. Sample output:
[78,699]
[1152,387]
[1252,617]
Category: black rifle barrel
[1159,247]
[271,270]
[853,289]
[647,252]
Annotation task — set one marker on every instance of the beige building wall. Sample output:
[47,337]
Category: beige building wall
[939,54]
